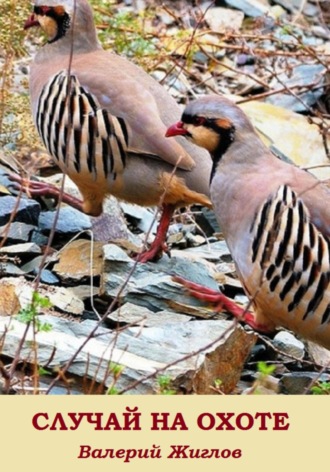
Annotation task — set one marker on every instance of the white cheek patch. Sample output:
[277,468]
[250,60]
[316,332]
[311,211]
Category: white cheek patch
[49,26]
[204,137]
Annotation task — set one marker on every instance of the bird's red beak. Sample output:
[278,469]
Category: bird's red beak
[31,21]
[176,130]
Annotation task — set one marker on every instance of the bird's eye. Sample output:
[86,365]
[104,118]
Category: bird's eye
[199,120]
[41,10]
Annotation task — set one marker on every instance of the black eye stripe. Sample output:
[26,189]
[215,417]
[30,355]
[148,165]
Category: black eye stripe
[41,10]
[195,120]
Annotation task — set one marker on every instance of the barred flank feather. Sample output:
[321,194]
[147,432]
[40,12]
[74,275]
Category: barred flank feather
[293,258]
[77,131]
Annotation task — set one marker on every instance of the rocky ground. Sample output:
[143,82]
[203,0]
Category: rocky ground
[101,322]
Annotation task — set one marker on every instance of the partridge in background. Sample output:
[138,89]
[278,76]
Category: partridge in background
[103,119]
[275,218]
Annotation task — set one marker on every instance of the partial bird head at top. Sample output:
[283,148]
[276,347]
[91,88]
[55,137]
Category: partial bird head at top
[55,17]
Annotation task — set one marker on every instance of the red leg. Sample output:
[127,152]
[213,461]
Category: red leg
[35,188]
[158,246]
[221,303]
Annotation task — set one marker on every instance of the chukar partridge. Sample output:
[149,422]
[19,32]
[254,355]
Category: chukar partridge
[103,119]
[275,218]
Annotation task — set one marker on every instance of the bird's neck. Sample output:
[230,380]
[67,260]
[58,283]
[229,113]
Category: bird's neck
[227,138]
[242,151]
[75,43]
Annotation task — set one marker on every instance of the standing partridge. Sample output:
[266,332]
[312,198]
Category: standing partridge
[275,218]
[103,119]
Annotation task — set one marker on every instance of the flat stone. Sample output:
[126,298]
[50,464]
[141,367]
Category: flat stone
[70,221]
[151,285]
[303,74]
[9,269]
[143,353]
[84,292]
[320,355]
[213,252]
[251,8]
[26,211]
[38,238]
[16,232]
[289,344]
[138,315]
[298,383]
[48,277]
[195,240]
[145,218]
[111,224]
[221,19]
[18,292]
[33,265]
[23,248]
[79,260]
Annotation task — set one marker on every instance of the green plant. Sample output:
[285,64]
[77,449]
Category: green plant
[164,385]
[115,370]
[321,388]
[264,369]
[125,33]
[264,379]
[30,313]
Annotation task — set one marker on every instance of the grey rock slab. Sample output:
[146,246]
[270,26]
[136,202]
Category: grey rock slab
[144,216]
[303,74]
[38,238]
[251,8]
[24,210]
[290,5]
[298,383]
[320,32]
[9,269]
[320,355]
[142,353]
[195,240]
[23,248]
[111,224]
[138,315]
[84,292]
[151,285]
[221,19]
[70,221]
[48,277]
[64,300]
[289,344]
[213,252]
[18,292]
[16,232]
[33,265]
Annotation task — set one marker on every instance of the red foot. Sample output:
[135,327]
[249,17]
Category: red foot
[158,246]
[35,188]
[154,253]
[221,303]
